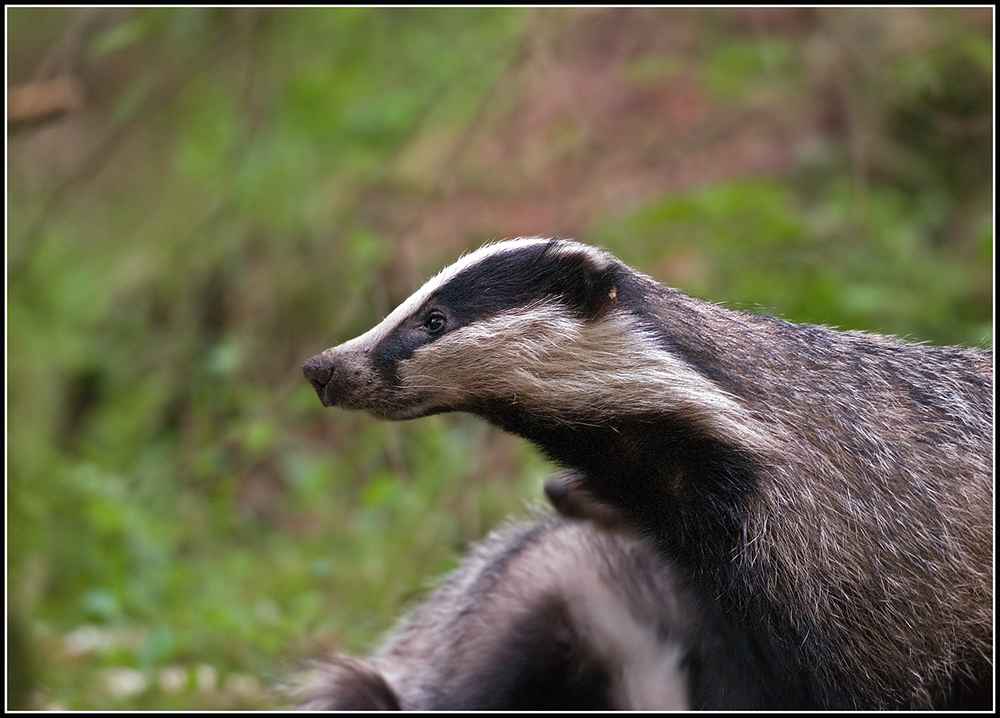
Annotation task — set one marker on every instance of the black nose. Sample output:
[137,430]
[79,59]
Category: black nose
[319,370]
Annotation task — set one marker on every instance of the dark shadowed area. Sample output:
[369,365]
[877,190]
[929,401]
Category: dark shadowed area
[200,199]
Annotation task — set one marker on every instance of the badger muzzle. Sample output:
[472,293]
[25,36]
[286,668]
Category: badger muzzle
[319,371]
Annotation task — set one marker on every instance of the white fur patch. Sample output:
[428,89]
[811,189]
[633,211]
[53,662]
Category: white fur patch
[648,674]
[651,677]
[571,370]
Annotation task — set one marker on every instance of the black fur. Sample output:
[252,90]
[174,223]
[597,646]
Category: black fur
[637,467]
[540,664]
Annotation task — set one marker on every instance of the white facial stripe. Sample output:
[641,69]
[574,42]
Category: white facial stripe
[573,565]
[553,363]
[649,672]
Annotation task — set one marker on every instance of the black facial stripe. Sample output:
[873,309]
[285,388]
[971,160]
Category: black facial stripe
[397,346]
[507,280]
[499,283]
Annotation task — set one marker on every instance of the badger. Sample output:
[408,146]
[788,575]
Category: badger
[544,615]
[831,492]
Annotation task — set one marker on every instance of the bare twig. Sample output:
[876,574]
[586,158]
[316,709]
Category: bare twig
[63,58]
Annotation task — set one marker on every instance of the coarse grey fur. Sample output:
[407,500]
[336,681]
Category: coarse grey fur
[832,491]
[548,614]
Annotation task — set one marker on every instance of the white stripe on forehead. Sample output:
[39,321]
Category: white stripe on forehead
[410,305]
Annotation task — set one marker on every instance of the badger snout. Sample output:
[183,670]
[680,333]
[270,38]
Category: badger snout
[319,370]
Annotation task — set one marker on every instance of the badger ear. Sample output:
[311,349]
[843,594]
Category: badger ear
[593,290]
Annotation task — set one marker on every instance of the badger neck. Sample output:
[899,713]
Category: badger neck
[683,489]
[689,494]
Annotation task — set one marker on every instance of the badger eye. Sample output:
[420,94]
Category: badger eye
[434,323]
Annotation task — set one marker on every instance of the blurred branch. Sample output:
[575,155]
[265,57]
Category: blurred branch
[174,80]
[63,57]
[33,102]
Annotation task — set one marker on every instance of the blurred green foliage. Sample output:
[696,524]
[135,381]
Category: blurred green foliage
[185,522]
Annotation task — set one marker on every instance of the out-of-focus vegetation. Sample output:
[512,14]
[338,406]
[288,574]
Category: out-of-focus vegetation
[242,188]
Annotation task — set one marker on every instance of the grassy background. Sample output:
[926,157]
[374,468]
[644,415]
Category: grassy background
[243,188]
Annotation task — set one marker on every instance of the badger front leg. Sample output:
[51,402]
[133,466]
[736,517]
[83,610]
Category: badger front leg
[569,495]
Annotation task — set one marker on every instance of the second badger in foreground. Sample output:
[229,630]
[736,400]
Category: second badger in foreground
[547,615]
[831,490]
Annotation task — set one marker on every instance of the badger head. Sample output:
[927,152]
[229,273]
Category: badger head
[549,329]
[504,324]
